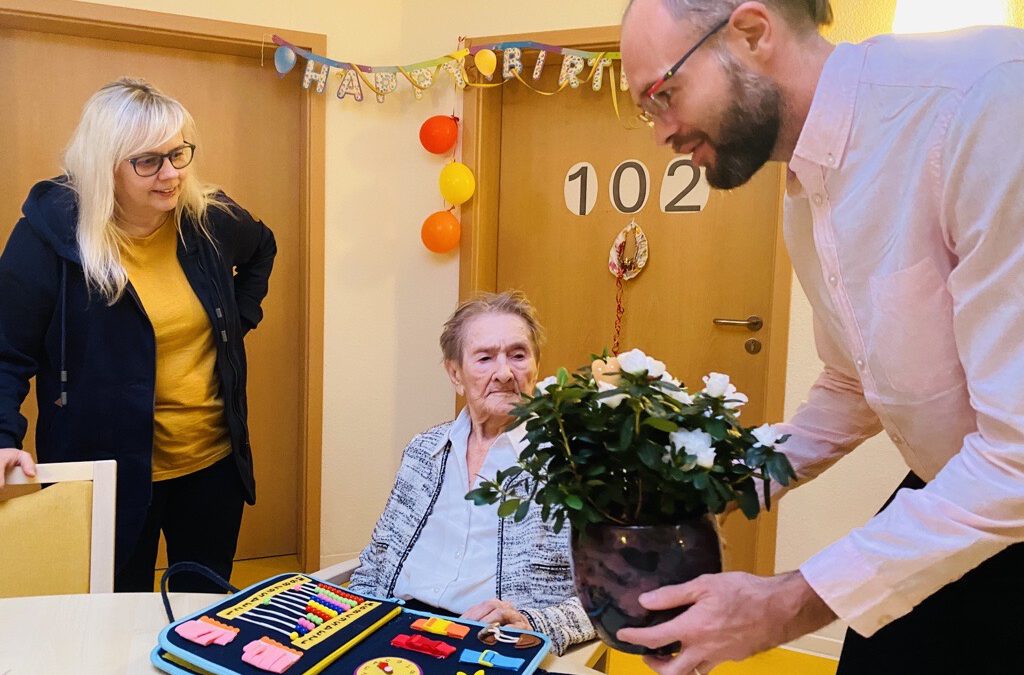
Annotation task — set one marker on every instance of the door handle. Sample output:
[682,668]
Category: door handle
[751,323]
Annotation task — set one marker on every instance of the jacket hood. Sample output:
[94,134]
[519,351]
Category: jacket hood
[52,210]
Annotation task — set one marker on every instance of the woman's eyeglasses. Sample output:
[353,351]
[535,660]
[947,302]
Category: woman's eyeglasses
[150,163]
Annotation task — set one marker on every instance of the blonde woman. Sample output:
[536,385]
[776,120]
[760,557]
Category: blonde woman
[126,290]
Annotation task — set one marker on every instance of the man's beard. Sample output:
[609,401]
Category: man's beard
[749,128]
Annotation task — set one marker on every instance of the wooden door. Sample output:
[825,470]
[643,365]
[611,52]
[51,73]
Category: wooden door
[722,262]
[252,135]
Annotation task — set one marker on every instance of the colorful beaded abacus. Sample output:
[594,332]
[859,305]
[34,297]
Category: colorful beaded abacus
[327,603]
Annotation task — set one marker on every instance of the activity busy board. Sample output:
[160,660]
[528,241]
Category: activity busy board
[299,625]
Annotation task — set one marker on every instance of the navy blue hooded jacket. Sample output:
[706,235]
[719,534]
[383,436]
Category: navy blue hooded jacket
[95,364]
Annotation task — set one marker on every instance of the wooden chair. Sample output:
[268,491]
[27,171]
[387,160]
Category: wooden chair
[59,540]
[592,654]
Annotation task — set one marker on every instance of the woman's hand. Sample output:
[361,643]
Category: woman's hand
[12,457]
[504,613]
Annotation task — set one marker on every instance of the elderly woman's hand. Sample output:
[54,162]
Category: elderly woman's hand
[12,457]
[498,611]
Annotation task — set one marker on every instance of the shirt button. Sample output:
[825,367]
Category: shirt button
[860,363]
[818,199]
[833,280]
[457,555]
[437,589]
[831,159]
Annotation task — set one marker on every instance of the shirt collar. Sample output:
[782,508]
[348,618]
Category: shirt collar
[461,425]
[826,132]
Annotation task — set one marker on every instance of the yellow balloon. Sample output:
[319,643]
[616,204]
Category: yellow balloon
[486,62]
[457,183]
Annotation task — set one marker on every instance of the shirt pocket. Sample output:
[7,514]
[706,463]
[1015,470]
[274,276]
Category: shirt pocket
[911,335]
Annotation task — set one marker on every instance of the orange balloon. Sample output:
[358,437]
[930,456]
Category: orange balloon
[441,232]
[439,133]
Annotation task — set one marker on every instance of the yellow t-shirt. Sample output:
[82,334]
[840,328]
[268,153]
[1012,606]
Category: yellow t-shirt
[189,429]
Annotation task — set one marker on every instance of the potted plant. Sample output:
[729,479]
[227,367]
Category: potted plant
[638,466]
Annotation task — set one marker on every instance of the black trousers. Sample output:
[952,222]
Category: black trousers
[200,515]
[974,625]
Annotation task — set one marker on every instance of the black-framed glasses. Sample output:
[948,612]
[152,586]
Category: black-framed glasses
[654,102]
[150,163]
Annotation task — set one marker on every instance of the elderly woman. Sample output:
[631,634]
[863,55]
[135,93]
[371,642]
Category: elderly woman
[436,550]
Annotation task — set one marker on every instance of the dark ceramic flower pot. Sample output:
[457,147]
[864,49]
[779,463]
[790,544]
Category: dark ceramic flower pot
[613,565]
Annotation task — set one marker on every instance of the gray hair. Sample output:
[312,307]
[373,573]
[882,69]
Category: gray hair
[509,302]
[706,13]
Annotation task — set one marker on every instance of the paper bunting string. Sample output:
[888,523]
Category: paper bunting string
[383,80]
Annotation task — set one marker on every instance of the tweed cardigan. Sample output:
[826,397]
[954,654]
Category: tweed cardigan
[533,568]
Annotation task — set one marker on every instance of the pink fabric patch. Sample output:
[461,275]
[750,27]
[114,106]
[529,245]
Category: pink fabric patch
[205,633]
[266,654]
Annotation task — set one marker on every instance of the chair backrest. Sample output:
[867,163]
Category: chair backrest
[53,503]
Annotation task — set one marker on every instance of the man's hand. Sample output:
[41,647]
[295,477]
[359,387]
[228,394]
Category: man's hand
[12,457]
[733,616]
[497,610]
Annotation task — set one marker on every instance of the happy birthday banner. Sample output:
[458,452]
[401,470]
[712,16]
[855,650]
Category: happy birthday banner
[383,80]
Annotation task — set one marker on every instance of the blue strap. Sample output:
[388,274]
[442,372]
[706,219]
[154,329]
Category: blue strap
[189,567]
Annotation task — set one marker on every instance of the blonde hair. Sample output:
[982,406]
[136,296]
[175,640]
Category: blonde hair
[124,118]
[508,302]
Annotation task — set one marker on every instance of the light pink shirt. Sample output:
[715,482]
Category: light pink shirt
[905,224]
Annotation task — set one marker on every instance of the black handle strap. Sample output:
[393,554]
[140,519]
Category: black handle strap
[189,567]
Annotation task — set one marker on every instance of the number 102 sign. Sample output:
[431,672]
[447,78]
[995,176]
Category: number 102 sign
[684,189]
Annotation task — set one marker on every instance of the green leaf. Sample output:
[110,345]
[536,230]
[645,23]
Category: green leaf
[700,481]
[483,495]
[717,429]
[747,500]
[507,508]
[574,502]
[563,377]
[651,455]
[521,512]
[626,435]
[661,424]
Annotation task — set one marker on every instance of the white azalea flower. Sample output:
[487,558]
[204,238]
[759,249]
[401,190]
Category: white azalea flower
[697,443]
[634,361]
[655,368]
[610,401]
[682,396]
[734,399]
[767,436]
[706,458]
[543,385]
[717,385]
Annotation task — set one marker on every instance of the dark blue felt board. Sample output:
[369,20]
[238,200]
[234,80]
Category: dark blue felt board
[228,658]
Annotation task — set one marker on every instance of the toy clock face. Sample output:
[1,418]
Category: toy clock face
[389,665]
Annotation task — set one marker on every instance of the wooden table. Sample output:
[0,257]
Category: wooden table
[111,633]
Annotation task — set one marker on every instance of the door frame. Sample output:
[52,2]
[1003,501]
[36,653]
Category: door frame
[80,19]
[478,271]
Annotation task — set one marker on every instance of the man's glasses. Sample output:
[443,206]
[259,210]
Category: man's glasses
[654,102]
[150,164]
